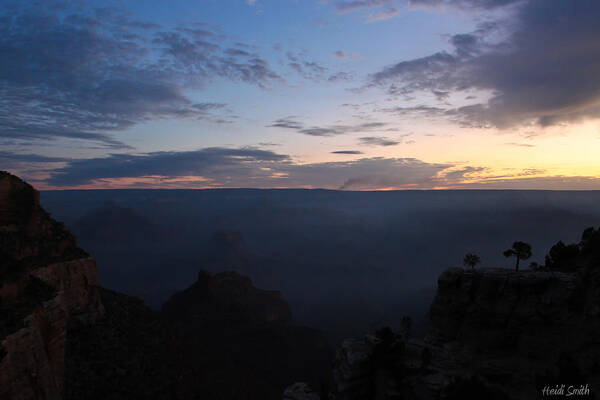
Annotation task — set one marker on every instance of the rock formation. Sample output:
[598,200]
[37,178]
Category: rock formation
[495,334]
[227,296]
[64,337]
[46,282]
[239,342]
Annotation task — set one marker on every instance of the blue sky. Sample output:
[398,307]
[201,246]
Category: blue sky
[350,94]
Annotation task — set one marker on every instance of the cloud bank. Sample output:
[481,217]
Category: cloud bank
[543,70]
[84,75]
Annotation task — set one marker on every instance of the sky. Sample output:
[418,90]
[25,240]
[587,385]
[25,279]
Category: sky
[336,94]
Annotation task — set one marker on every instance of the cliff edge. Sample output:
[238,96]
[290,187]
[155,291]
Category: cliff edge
[46,280]
[64,337]
[496,334]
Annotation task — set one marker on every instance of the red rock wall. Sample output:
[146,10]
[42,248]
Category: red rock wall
[32,358]
[33,367]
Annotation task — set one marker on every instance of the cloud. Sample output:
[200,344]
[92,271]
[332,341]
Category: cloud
[253,167]
[420,111]
[539,62]
[458,174]
[441,95]
[329,130]
[425,73]
[243,167]
[340,76]
[347,152]
[228,165]
[466,4]
[307,69]
[377,141]
[188,54]
[30,158]
[342,129]
[354,5]
[519,144]
[89,74]
[380,173]
[383,15]
[381,9]
[287,123]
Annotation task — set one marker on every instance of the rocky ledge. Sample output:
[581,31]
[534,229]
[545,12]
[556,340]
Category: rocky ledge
[46,280]
[495,334]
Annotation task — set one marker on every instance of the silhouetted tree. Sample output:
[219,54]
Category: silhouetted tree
[520,250]
[590,241]
[562,257]
[471,260]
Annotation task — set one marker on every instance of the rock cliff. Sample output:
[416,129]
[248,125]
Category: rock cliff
[227,296]
[46,281]
[495,334]
[238,342]
[64,337]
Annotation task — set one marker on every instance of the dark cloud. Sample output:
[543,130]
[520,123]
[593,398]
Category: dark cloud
[458,174]
[268,144]
[196,59]
[441,95]
[544,70]
[237,53]
[330,130]
[349,6]
[340,76]
[287,123]
[378,141]
[466,4]
[225,167]
[30,158]
[243,167]
[306,68]
[347,152]
[420,111]
[93,73]
[426,73]
[226,164]
[342,129]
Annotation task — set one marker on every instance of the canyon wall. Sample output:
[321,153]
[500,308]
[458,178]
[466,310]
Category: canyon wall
[46,280]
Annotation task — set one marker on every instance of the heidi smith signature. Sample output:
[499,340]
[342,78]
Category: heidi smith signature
[566,391]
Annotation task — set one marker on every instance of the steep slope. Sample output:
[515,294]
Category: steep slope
[46,282]
[64,337]
[496,334]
